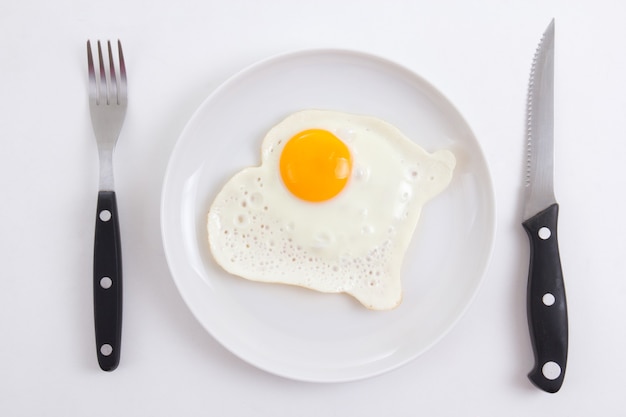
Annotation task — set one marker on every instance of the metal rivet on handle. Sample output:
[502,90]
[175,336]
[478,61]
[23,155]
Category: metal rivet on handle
[106,282]
[105,215]
[544,233]
[548,299]
[551,370]
[106,349]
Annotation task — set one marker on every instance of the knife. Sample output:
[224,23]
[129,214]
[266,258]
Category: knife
[546,304]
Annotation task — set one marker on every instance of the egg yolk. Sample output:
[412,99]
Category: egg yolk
[315,165]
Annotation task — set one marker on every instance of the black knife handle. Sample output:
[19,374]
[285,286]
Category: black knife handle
[547,307]
[107,282]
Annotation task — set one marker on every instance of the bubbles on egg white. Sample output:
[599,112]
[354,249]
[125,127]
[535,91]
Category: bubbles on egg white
[256,199]
[361,173]
[241,220]
[368,229]
[251,236]
[411,173]
[405,192]
[323,239]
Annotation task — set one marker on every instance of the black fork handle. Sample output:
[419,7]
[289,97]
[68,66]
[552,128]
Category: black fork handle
[107,282]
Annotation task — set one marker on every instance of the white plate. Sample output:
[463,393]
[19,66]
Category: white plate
[299,333]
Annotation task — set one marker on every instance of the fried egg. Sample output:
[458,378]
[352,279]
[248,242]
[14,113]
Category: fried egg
[332,207]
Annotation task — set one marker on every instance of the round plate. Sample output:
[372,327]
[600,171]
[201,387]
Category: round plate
[299,333]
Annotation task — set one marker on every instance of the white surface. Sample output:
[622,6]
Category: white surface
[477,53]
[327,338]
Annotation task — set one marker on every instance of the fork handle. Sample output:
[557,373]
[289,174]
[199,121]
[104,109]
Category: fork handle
[107,282]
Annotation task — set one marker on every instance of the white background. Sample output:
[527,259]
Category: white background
[478,53]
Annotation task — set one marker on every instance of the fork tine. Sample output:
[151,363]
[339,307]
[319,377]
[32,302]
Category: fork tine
[102,91]
[93,91]
[122,87]
[112,96]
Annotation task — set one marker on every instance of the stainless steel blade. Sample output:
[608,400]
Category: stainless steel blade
[539,181]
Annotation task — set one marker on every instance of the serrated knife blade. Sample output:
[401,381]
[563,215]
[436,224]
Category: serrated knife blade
[546,302]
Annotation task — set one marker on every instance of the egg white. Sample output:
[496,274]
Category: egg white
[353,243]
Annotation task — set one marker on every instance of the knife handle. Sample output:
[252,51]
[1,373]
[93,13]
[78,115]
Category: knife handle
[107,282]
[546,303]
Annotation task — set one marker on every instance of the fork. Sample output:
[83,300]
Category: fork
[107,105]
